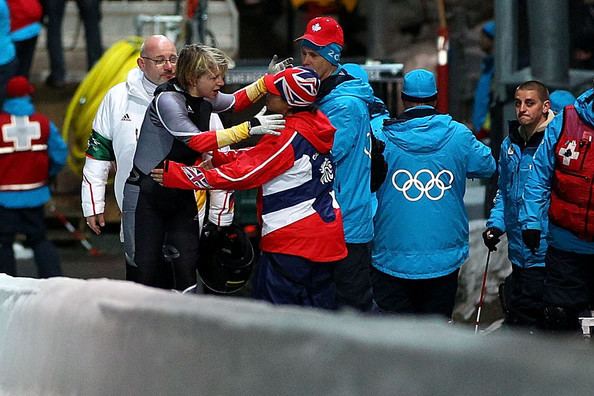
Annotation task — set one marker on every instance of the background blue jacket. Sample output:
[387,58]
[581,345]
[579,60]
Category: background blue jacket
[515,162]
[537,194]
[346,105]
[56,150]
[421,225]
[8,52]
[482,93]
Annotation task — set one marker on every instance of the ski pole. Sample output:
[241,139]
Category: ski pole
[482,298]
[77,234]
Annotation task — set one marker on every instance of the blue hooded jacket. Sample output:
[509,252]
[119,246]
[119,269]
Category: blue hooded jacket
[482,93]
[345,102]
[537,194]
[515,162]
[56,150]
[421,225]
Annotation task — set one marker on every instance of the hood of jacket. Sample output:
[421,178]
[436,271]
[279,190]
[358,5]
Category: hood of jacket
[314,127]
[584,106]
[342,84]
[420,129]
[22,106]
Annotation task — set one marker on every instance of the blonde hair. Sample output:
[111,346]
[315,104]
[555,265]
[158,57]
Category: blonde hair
[195,60]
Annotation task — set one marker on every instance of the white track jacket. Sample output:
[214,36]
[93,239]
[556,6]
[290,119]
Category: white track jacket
[113,142]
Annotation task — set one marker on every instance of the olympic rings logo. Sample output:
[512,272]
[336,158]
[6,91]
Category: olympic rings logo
[442,182]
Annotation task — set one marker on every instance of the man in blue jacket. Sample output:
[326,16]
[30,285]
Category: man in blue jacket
[421,225]
[378,112]
[31,153]
[345,100]
[561,180]
[522,290]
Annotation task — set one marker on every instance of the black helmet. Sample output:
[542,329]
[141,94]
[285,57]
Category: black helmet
[226,258]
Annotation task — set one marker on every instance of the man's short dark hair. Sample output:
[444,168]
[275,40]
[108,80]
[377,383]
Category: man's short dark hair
[534,85]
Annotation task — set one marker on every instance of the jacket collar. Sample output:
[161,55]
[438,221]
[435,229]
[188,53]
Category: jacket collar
[516,136]
[415,112]
[332,81]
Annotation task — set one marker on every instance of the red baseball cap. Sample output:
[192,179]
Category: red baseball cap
[323,31]
[18,86]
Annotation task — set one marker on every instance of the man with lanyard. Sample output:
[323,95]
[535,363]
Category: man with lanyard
[345,100]
[115,132]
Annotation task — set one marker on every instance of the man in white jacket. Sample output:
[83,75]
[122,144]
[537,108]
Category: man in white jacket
[115,133]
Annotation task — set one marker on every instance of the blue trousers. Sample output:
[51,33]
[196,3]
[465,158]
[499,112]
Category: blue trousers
[286,279]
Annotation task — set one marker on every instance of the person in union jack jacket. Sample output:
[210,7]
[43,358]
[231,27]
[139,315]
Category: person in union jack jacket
[302,230]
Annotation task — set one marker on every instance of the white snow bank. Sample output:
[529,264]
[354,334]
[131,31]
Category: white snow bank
[103,337]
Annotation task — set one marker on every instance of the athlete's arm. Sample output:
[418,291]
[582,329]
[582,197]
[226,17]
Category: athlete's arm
[171,112]
[268,159]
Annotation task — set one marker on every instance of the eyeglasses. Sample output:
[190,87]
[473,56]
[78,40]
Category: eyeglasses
[161,61]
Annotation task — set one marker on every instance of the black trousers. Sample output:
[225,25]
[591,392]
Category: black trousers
[31,223]
[25,50]
[351,276]
[568,288]
[166,236]
[415,296]
[522,296]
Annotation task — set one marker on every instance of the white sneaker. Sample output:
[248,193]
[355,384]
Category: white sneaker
[21,252]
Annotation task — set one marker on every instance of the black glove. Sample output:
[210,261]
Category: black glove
[211,231]
[379,166]
[531,239]
[491,238]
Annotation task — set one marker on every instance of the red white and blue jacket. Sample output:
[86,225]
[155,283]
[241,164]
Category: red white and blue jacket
[296,206]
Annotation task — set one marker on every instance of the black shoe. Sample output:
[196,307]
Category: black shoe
[53,83]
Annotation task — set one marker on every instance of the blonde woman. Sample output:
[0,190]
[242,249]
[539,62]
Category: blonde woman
[161,229]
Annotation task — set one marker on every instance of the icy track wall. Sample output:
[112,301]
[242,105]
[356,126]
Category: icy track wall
[103,337]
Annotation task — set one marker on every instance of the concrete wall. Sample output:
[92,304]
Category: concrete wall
[118,18]
[103,337]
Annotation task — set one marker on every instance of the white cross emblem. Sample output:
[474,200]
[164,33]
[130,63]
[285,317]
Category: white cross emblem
[21,131]
[316,27]
[569,153]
